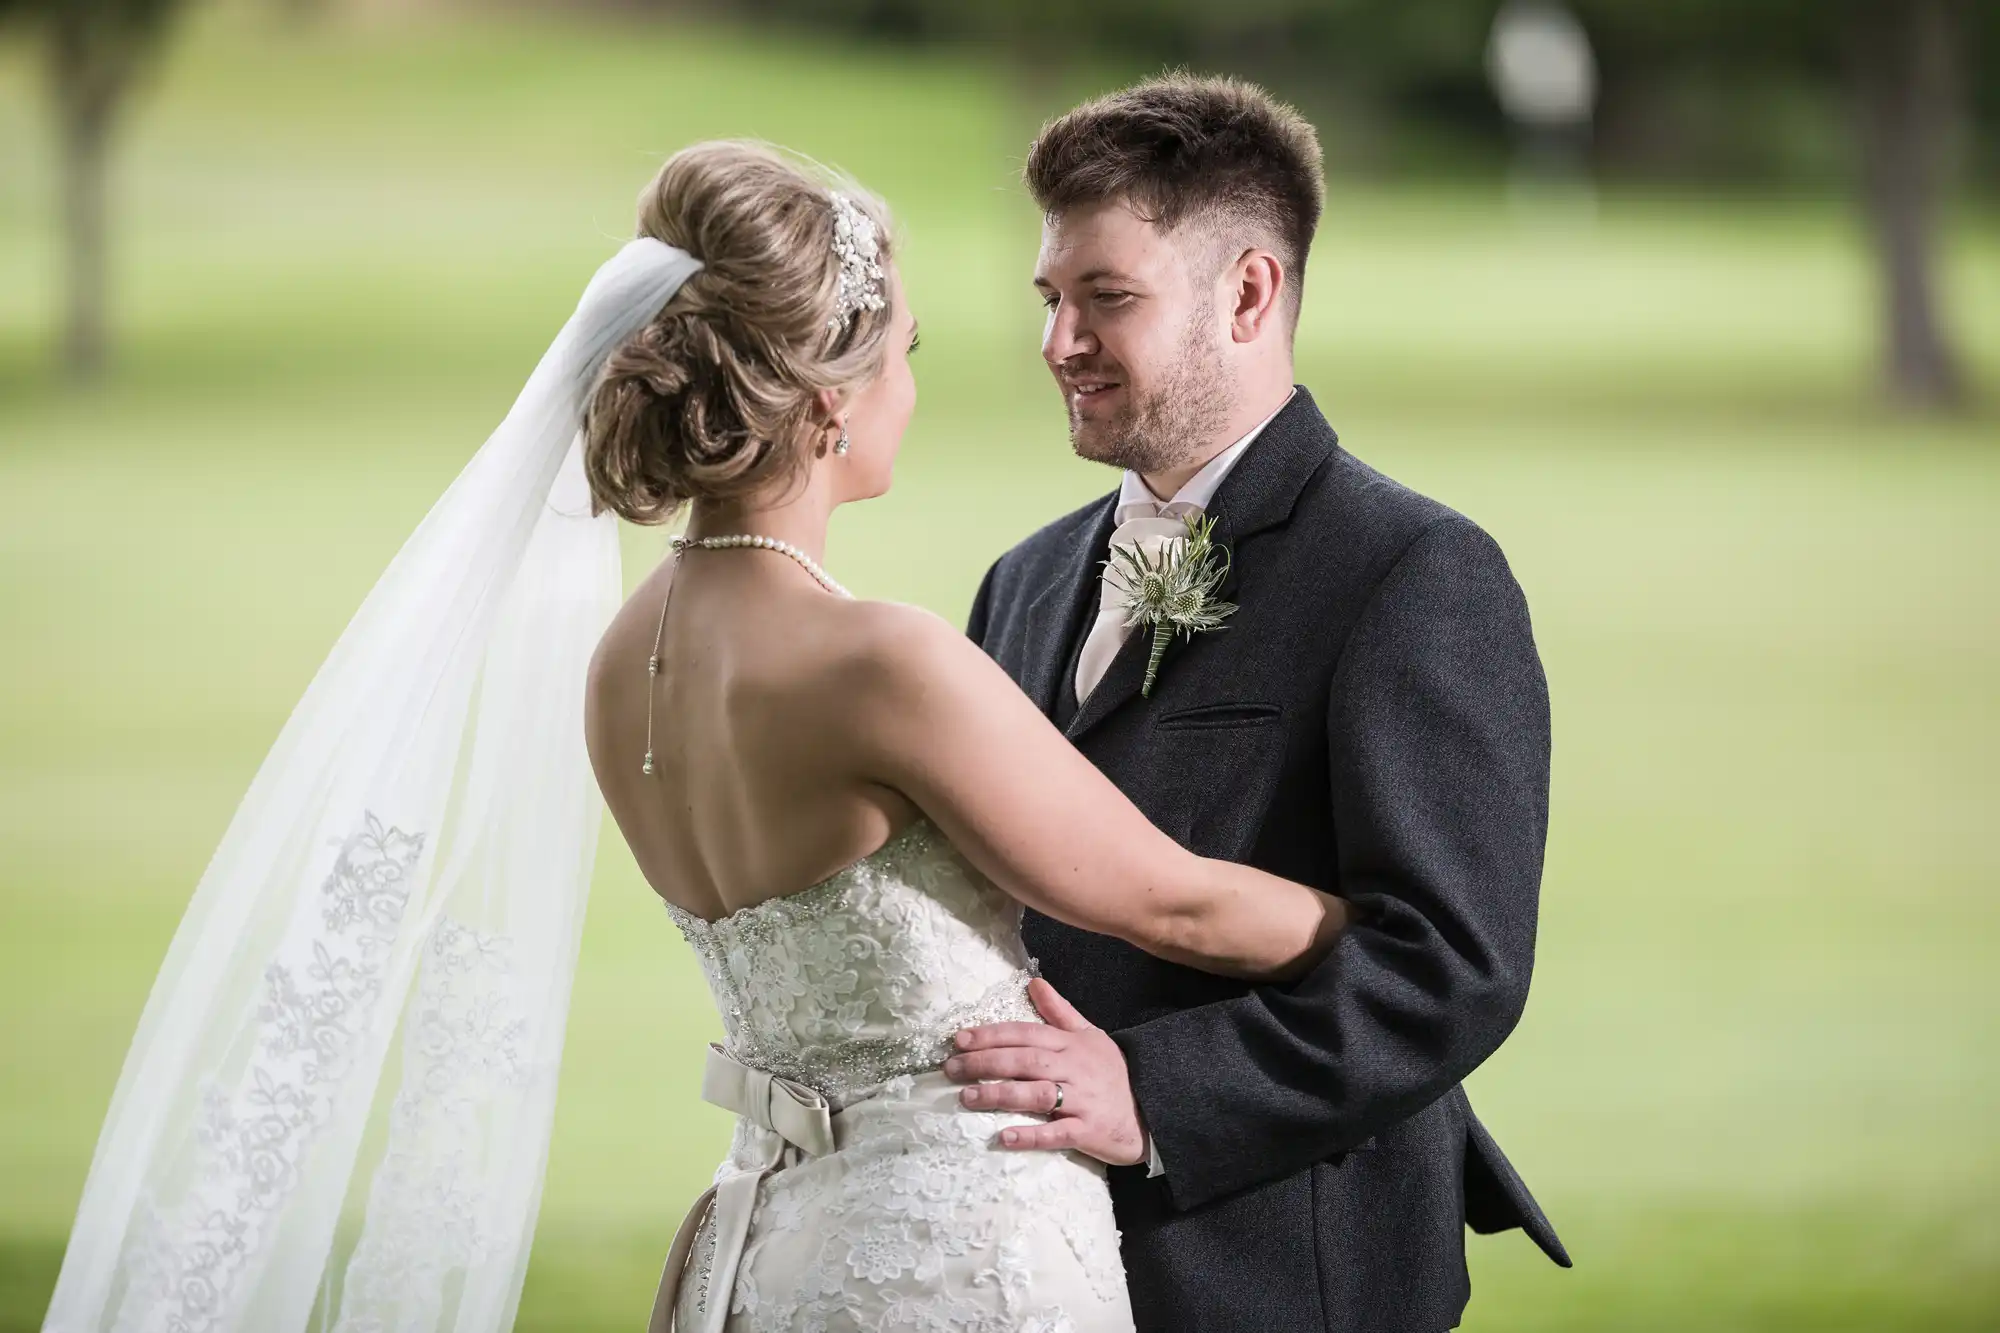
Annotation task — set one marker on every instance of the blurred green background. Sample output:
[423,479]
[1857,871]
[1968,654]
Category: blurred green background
[1756,1083]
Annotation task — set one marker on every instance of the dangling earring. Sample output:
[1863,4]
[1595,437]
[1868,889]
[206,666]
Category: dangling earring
[840,446]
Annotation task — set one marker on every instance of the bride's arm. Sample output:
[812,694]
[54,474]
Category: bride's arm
[934,718]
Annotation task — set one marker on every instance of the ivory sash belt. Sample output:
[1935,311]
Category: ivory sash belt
[801,1118]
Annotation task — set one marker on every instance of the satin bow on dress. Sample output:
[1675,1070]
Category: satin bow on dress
[801,1120]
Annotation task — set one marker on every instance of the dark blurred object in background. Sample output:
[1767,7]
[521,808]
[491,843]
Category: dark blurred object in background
[97,50]
[1544,74]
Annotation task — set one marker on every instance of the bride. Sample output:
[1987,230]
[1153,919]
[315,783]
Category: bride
[336,1108]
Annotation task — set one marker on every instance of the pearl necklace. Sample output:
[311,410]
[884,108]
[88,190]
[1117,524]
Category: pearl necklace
[732,542]
[806,562]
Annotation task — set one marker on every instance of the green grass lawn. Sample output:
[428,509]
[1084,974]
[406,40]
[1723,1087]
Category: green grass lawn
[1756,1084]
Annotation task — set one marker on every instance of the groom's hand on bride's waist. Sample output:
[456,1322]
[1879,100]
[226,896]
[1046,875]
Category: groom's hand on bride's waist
[1064,1069]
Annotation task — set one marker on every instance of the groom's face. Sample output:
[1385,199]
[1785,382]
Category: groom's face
[1134,336]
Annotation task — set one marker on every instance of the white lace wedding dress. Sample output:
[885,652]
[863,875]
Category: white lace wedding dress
[906,1216]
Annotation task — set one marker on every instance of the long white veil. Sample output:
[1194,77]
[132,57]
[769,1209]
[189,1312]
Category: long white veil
[403,884]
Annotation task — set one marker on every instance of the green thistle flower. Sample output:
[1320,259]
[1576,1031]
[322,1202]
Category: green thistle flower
[1173,591]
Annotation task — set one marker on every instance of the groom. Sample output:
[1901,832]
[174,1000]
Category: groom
[1373,720]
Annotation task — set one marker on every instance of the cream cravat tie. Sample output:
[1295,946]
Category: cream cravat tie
[1148,531]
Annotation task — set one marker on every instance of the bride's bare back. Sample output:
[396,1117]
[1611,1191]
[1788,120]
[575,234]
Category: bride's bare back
[751,797]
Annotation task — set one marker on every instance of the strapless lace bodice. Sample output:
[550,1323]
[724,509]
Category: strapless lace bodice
[915,1220]
[867,974]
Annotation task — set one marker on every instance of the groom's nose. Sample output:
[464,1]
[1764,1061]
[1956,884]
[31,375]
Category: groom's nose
[1067,335]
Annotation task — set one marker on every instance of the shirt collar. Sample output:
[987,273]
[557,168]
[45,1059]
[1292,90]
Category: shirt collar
[1136,499]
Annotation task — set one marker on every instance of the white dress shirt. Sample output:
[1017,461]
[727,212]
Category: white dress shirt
[1139,517]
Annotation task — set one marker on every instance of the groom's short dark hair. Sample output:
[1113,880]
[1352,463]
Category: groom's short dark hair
[1182,147]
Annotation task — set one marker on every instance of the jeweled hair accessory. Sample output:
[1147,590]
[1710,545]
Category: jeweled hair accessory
[859,246]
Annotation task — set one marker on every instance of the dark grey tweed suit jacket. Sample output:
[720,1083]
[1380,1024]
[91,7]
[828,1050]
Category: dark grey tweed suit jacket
[1373,720]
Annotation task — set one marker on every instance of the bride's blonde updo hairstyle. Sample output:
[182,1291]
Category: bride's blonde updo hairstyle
[714,398]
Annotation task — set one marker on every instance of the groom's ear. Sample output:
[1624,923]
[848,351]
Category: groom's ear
[1258,283]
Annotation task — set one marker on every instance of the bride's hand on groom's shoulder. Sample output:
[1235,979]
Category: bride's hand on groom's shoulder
[1065,1069]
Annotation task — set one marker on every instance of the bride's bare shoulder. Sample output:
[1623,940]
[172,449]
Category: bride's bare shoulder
[628,636]
[894,647]
[916,699]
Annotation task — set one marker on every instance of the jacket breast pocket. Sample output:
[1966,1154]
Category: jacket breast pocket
[1225,716]
[1209,774]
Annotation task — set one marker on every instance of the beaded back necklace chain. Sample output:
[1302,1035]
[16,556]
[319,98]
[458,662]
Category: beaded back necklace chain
[735,541]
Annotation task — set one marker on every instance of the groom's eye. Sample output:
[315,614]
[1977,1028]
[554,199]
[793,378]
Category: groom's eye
[1113,298]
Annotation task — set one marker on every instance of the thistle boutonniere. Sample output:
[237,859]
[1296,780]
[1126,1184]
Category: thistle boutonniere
[1172,588]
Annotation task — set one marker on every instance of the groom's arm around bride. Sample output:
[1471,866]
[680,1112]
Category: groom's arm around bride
[1372,719]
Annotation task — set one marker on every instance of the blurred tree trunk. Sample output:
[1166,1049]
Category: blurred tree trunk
[1904,53]
[87,90]
[96,51]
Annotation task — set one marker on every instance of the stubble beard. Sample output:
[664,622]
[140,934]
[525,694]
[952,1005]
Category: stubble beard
[1169,425]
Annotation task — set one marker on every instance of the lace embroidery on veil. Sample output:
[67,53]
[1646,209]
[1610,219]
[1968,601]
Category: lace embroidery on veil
[319,994]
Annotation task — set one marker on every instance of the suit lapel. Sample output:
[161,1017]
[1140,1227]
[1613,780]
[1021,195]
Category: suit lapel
[1258,494]
[1121,681]
[1261,490]
[1053,618]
